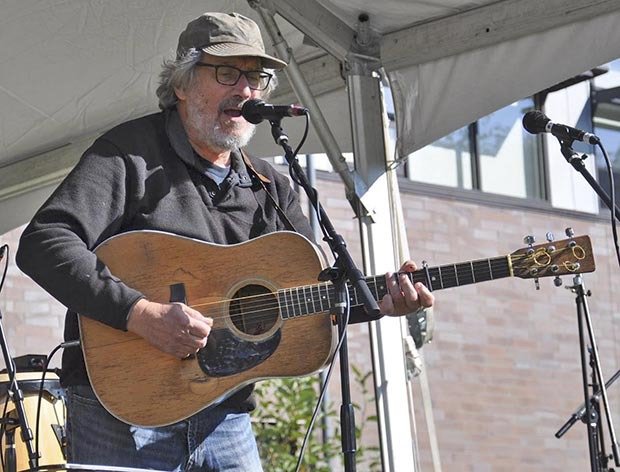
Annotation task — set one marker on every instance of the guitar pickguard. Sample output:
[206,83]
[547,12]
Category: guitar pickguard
[226,354]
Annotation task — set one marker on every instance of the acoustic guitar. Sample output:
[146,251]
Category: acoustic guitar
[270,316]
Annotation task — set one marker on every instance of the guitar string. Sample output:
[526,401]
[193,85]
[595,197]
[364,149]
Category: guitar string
[268,302]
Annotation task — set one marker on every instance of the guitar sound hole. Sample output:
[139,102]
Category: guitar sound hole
[254,310]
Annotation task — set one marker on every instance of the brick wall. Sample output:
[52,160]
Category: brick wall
[503,367]
[33,321]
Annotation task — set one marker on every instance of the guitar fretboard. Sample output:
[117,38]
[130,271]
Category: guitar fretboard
[309,299]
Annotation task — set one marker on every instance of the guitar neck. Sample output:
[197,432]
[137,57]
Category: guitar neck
[446,276]
[309,299]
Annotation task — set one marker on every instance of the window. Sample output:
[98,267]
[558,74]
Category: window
[509,160]
[606,117]
[494,155]
[610,138]
[445,162]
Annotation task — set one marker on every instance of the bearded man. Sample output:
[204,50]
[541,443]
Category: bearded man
[178,171]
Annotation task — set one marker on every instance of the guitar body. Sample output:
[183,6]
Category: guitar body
[143,386]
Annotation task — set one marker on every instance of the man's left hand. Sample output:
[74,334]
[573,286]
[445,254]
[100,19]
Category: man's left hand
[403,296]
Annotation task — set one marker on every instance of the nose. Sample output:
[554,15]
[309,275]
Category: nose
[243,87]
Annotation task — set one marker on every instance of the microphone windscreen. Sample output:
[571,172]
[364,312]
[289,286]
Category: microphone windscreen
[250,111]
[535,121]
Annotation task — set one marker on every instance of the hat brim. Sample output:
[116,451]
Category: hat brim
[235,50]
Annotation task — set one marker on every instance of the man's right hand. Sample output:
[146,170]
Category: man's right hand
[174,328]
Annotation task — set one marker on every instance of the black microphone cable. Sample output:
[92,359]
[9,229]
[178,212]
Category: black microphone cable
[612,196]
[342,334]
[48,359]
[4,251]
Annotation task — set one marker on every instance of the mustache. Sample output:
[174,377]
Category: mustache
[232,102]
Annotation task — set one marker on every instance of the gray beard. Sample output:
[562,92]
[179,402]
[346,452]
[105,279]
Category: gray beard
[221,140]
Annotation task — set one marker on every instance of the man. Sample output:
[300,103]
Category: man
[179,171]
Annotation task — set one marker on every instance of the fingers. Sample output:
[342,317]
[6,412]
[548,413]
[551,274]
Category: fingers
[175,328]
[403,296]
[191,328]
[197,325]
[425,296]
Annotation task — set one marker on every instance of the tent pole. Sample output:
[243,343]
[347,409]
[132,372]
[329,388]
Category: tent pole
[369,182]
[354,186]
[386,335]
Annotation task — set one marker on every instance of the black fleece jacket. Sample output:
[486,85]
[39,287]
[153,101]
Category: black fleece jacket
[142,174]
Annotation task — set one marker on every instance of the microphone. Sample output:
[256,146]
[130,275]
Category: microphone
[256,111]
[537,122]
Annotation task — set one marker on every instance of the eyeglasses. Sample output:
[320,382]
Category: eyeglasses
[229,75]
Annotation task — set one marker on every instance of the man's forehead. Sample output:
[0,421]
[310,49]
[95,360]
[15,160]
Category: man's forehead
[243,62]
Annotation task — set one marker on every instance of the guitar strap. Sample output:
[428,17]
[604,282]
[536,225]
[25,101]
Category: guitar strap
[263,180]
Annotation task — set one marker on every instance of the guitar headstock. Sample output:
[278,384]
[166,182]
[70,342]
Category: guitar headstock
[554,258]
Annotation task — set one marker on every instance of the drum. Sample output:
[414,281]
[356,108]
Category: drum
[51,422]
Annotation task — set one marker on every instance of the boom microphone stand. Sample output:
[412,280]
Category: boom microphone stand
[591,416]
[345,270]
[598,457]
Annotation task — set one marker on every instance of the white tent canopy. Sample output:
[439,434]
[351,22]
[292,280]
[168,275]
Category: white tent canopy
[72,68]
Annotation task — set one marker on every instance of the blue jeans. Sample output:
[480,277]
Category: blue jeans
[215,439]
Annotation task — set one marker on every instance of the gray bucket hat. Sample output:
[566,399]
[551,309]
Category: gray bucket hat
[226,35]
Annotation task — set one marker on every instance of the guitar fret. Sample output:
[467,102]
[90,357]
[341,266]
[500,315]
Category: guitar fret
[380,287]
[298,301]
[434,274]
[325,296]
[314,310]
[448,276]
[328,294]
[490,268]
[305,300]
[291,303]
[281,307]
[285,308]
[501,267]
[372,284]
[473,274]
[482,270]
[288,297]
[465,275]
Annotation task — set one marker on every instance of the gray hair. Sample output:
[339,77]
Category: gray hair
[180,73]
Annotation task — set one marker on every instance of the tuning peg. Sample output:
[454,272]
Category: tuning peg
[569,232]
[529,240]
[550,237]
[557,281]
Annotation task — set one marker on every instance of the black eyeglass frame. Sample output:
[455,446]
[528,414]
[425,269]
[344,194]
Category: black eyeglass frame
[262,75]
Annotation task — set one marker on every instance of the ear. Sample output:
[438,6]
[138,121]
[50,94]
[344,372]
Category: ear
[180,93]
